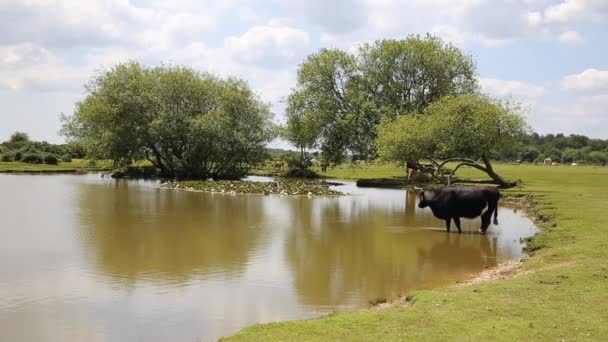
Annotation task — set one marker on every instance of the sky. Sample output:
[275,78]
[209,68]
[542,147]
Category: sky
[549,55]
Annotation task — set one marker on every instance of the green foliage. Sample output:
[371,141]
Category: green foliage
[7,157]
[66,158]
[598,157]
[297,172]
[529,154]
[188,124]
[32,158]
[407,75]
[296,160]
[18,139]
[464,126]
[51,159]
[340,98]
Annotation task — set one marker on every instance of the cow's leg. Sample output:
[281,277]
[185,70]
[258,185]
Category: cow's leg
[485,221]
[448,221]
[457,221]
[493,207]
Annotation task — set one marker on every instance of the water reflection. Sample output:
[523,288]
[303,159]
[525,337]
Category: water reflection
[86,258]
[348,251]
[150,233]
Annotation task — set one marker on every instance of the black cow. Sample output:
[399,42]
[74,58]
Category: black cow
[463,201]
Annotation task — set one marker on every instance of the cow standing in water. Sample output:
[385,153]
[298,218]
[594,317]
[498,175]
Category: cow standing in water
[452,203]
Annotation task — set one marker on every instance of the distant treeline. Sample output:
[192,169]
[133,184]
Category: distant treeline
[19,147]
[528,148]
[559,147]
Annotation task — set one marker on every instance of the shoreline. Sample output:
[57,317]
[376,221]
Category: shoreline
[505,270]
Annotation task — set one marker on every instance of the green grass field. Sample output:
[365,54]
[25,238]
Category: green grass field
[76,165]
[561,293]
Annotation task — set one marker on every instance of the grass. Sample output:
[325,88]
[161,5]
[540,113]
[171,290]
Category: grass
[76,165]
[560,294]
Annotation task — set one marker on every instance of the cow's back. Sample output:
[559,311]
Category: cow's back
[468,201]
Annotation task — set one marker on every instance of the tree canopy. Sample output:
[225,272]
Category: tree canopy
[462,129]
[343,97]
[186,123]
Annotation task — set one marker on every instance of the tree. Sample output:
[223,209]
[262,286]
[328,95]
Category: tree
[348,95]
[301,129]
[186,123]
[405,76]
[461,129]
[18,139]
[598,157]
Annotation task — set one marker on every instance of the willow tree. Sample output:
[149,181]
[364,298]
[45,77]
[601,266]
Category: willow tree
[455,130]
[348,95]
[186,123]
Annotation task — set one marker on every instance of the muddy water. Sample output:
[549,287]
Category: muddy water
[86,258]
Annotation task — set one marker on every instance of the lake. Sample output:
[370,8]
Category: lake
[86,258]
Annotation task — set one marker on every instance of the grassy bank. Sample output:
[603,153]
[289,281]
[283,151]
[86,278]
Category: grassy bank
[76,165]
[560,293]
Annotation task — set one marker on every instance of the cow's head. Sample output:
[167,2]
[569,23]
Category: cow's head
[425,196]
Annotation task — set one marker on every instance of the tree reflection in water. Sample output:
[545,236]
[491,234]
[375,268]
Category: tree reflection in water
[168,235]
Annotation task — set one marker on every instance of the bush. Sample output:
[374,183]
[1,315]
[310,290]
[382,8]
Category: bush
[66,158]
[294,161]
[301,173]
[7,157]
[32,158]
[597,157]
[18,155]
[51,159]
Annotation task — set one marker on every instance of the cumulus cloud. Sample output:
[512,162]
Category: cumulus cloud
[28,67]
[590,80]
[509,88]
[572,38]
[269,46]
[337,16]
[573,11]
[573,114]
[554,108]
[499,20]
[74,23]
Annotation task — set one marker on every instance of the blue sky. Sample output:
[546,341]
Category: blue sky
[550,55]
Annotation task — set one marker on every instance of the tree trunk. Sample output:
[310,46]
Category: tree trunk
[498,179]
[487,168]
[302,157]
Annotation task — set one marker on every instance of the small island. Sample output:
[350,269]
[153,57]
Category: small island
[293,187]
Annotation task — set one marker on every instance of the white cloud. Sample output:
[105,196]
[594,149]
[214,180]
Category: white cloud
[590,79]
[507,88]
[337,16]
[28,67]
[22,54]
[573,11]
[269,46]
[487,22]
[74,23]
[586,115]
[572,38]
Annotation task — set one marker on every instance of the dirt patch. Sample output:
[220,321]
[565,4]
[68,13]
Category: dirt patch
[503,271]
